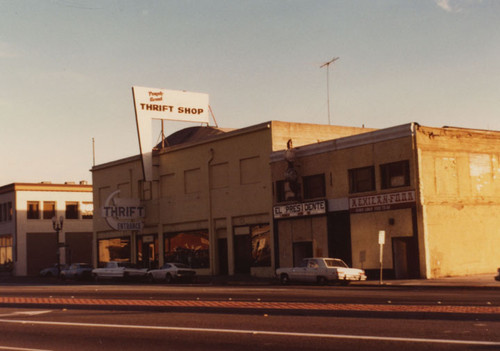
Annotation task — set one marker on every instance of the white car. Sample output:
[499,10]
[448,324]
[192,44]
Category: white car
[171,272]
[115,269]
[320,270]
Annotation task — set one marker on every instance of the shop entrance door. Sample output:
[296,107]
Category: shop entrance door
[301,250]
[400,252]
[242,253]
[147,252]
[222,254]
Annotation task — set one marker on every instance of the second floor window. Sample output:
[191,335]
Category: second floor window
[33,210]
[71,210]
[314,186]
[395,174]
[49,209]
[361,179]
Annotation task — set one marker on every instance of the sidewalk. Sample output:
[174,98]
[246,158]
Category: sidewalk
[486,281]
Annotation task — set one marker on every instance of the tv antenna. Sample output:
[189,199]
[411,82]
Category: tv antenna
[327,64]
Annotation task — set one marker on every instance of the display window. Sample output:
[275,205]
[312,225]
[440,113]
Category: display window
[190,248]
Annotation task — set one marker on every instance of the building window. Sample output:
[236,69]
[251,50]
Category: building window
[361,179]
[117,249]
[190,248]
[395,174]
[87,210]
[5,250]
[49,209]
[71,210]
[33,210]
[9,211]
[287,191]
[314,186]
[261,245]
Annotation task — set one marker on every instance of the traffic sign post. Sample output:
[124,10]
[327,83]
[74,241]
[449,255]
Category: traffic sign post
[381,241]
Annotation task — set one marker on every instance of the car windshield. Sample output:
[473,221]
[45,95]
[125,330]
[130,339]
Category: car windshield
[335,263]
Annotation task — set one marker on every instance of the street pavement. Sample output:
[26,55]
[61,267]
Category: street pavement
[471,281]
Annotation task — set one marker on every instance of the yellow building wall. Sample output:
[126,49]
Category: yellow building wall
[460,184]
[365,229]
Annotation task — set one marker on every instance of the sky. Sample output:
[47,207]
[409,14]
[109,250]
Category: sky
[67,68]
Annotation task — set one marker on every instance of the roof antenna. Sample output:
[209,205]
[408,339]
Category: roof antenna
[327,64]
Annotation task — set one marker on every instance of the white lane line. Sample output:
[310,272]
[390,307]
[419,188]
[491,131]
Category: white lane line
[19,349]
[257,332]
[24,313]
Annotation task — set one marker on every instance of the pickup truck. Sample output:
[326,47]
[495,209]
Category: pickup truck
[320,270]
[120,270]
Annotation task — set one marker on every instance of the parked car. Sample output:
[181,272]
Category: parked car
[52,271]
[115,269]
[78,271]
[498,275]
[320,270]
[171,272]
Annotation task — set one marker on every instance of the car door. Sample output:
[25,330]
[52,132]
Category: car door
[299,273]
[312,271]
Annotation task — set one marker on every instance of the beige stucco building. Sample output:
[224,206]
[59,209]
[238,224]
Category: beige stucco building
[434,192]
[28,241]
[209,204]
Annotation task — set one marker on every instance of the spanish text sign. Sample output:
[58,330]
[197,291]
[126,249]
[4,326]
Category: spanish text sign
[175,105]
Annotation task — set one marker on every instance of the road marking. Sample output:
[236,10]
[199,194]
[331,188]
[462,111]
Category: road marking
[257,332]
[20,349]
[24,313]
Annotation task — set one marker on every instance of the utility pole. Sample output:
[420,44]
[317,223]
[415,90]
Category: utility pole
[327,64]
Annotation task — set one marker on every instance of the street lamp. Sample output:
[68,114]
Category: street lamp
[57,224]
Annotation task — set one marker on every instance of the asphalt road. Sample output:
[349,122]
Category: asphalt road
[199,317]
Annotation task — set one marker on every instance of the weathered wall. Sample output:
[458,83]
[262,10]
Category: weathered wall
[460,183]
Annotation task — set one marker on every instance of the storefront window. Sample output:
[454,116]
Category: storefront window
[261,249]
[117,249]
[190,248]
[6,251]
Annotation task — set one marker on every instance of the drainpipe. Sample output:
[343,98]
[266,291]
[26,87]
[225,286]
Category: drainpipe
[419,231]
[211,231]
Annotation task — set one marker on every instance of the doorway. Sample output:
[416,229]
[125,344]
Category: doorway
[222,255]
[301,250]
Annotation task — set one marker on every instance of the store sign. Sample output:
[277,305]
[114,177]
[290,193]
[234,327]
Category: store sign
[153,103]
[123,213]
[383,202]
[300,209]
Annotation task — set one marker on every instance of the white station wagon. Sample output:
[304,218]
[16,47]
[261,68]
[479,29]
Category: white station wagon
[320,270]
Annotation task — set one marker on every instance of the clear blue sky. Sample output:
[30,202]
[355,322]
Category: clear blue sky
[67,68]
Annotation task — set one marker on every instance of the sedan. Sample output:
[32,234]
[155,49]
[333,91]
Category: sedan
[77,271]
[320,270]
[171,272]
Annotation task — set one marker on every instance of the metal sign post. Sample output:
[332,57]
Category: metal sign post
[381,241]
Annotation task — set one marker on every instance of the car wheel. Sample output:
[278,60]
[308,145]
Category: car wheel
[345,282]
[169,279]
[95,277]
[284,279]
[150,278]
[321,280]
